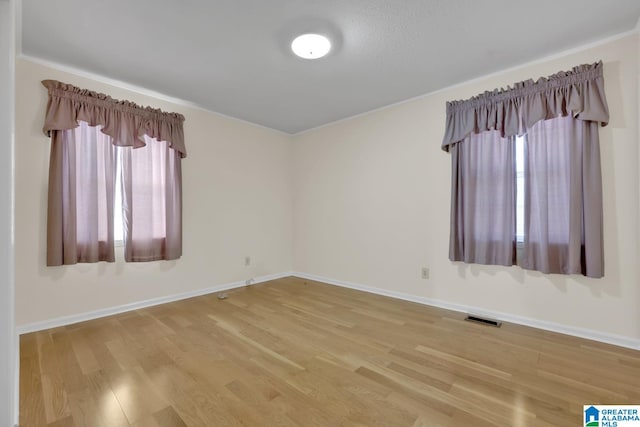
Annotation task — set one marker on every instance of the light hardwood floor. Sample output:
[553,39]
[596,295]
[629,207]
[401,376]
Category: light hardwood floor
[294,352]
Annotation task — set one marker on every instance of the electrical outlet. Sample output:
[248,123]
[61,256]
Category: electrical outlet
[247,261]
[425,273]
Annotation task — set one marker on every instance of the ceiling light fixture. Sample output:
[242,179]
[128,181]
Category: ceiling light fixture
[311,46]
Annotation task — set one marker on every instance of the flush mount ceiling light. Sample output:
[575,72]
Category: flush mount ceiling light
[311,46]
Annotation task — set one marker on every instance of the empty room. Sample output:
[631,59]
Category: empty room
[320,213]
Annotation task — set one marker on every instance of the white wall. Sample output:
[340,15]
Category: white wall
[363,201]
[372,198]
[237,202]
[8,344]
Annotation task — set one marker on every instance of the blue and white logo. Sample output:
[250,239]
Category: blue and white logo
[611,416]
[592,417]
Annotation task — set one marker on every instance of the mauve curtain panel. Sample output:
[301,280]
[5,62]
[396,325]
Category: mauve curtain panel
[80,204]
[86,129]
[563,198]
[483,200]
[153,223]
[559,117]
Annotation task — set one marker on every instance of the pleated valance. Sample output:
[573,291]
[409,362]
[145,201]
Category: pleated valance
[124,121]
[579,92]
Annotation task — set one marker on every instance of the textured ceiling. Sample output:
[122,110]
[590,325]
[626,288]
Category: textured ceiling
[233,57]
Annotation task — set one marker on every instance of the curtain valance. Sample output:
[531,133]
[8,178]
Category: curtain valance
[579,92]
[124,121]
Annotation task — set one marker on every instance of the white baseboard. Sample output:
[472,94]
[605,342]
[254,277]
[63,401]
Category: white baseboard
[505,317]
[90,315]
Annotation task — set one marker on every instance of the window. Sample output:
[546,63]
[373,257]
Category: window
[535,200]
[115,170]
[519,153]
[118,217]
[152,195]
[148,185]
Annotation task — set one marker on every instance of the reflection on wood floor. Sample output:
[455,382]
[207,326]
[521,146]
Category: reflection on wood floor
[294,352]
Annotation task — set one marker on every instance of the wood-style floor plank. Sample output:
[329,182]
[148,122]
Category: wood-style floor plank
[295,352]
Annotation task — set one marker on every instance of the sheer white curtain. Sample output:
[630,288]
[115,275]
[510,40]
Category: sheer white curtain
[152,201]
[81,183]
[483,192]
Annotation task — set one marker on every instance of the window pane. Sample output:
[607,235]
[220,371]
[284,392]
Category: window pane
[520,189]
[118,227]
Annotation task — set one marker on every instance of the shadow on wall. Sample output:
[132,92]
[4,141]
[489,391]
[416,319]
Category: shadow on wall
[519,275]
[610,285]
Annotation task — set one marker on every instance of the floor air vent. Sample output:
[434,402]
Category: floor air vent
[484,321]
